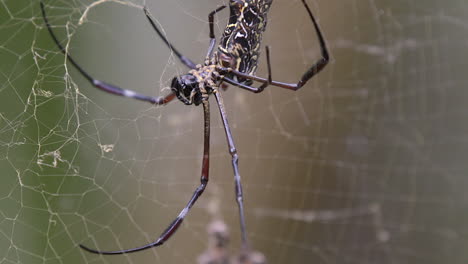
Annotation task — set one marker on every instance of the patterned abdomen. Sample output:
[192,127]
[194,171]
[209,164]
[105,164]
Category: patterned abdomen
[239,47]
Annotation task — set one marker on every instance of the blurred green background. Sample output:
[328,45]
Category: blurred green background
[365,164]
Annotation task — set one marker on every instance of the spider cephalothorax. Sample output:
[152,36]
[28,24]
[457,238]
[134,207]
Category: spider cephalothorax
[198,84]
[186,89]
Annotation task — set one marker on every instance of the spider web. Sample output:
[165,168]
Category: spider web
[365,164]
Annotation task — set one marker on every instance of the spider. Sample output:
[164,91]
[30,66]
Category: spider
[234,62]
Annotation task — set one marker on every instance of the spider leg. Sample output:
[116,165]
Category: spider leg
[172,228]
[109,88]
[212,35]
[179,55]
[311,72]
[235,166]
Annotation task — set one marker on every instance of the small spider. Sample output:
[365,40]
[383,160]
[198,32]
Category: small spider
[234,62]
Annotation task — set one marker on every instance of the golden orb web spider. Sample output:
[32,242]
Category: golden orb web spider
[234,62]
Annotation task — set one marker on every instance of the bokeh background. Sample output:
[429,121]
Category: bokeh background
[365,164]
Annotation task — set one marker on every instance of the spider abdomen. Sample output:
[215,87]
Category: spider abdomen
[239,46]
